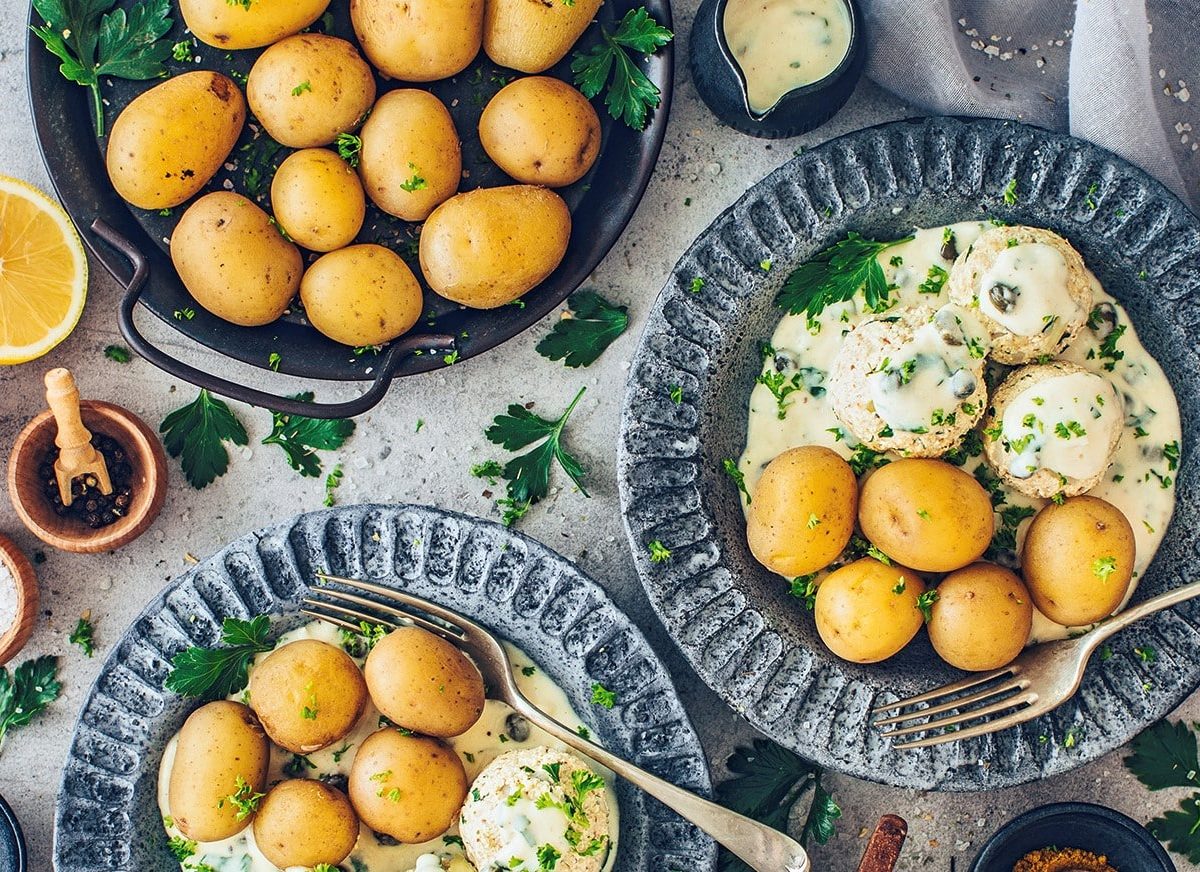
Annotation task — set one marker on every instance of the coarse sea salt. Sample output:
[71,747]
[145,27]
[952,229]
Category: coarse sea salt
[8,598]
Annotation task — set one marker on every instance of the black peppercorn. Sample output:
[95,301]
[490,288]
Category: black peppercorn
[90,506]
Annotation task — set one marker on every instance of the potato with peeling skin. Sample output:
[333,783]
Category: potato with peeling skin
[234,261]
[419,40]
[409,787]
[220,743]
[534,36]
[541,131]
[237,24]
[867,611]
[302,822]
[169,142]
[801,515]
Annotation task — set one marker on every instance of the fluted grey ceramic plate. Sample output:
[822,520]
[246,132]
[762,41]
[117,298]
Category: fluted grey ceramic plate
[108,818]
[755,645]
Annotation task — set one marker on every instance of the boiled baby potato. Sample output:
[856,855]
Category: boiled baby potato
[309,88]
[533,36]
[234,261]
[419,40]
[234,24]
[867,611]
[1078,560]
[411,159]
[926,514]
[409,787]
[318,200]
[361,295]
[423,683]
[541,131]
[302,822]
[487,247]
[308,694]
[170,141]
[802,513]
[982,617]
[221,753]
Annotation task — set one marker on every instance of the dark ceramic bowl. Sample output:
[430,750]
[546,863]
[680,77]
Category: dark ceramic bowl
[13,856]
[722,85]
[1128,846]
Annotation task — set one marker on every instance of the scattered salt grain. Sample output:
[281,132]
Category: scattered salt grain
[8,598]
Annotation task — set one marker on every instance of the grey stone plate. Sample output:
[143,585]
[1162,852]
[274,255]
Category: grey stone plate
[108,818]
[755,645]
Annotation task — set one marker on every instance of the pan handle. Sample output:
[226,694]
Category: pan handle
[177,368]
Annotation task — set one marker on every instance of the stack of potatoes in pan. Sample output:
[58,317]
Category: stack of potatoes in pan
[481,249]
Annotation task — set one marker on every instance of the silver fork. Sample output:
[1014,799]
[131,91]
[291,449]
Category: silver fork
[761,847]
[1041,679]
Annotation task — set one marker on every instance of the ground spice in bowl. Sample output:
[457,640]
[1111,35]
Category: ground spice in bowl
[1064,860]
[90,506]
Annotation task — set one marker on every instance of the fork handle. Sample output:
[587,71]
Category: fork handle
[1136,613]
[761,847]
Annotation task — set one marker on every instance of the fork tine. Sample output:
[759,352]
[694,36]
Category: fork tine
[455,620]
[965,684]
[973,714]
[1018,717]
[321,616]
[350,613]
[957,703]
[418,620]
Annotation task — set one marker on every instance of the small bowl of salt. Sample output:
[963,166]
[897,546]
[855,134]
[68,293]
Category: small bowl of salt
[18,599]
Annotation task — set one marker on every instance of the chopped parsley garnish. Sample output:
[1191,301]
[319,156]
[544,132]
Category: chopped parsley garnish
[349,148]
[196,435]
[1109,352]
[676,394]
[181,848]
[528,475]
[659,553]
[630,94]
[301,438]
[415,182]
[739,477]
[813,521]
[302,88]
[1010,192]
[925,604]
[243,798]
[332,482]
[781,387]
[935,280]
[864,458]
[900,586]
[297,766]
[805,588]
[602,696]
[1171,454]
[1146,653]
[84,636]
[835,275]
[548,856]
[874,552]
[976,348]
[118,354]
[27,692]
[92,40]
[215,673]
[1103,567]
[696,285]
[585,331]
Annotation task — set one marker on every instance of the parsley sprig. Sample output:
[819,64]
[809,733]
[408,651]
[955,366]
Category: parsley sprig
[92,40]
[215,673]
[301,438]
[585,331]
[528,475]
[197,434]
[1165,756]
[836,274]
[25,694]
[84,635]
[631,94]
[768,782]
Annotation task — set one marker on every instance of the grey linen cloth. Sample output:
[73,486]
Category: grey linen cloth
[1115,72]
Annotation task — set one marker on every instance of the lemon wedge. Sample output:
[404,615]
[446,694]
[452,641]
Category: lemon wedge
[43,273]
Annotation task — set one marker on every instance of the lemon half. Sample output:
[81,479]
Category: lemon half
[43,273]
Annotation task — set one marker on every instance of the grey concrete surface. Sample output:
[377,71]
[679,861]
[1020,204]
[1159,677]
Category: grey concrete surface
[703,168]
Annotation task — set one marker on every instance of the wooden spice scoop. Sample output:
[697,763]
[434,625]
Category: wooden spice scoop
[77,456]
[883,850]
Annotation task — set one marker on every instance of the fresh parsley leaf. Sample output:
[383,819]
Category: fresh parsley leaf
[92,40]
[215,673]
[739,477]
[1180,830]
[349,148]
[258,164]
[301,438]
[631,94]
[84,636]
[1165,756]
[118,354]
[528,475]
[25,694]
[835,275]
[925,603]
[581,335]
[768,782]
[196,435]
[182,848]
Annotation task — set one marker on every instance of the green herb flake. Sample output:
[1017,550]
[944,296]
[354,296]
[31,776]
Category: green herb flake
[84,635]
[118,354]
[602,696]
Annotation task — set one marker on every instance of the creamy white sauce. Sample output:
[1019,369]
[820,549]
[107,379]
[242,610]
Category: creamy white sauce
[477,747]
[1034,295]
[1064,424]
[782,45]
[1139,481]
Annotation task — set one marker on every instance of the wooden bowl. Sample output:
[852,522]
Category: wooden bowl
[14,638]
[149,480]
